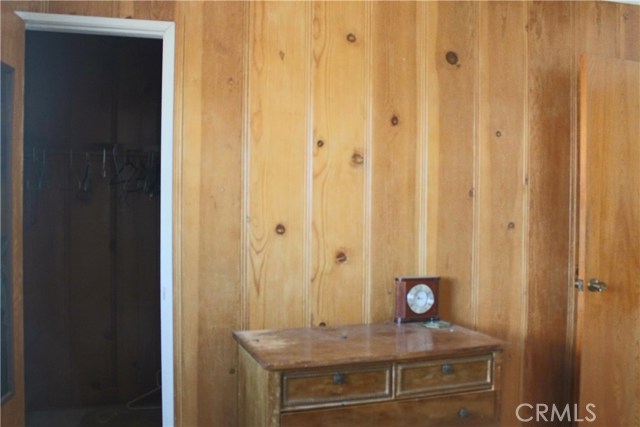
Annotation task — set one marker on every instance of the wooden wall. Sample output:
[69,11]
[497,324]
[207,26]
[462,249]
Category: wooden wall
[323,148]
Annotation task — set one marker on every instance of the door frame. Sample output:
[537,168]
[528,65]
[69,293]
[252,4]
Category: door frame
[165,31]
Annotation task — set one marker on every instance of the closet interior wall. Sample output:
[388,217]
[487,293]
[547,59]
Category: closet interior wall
[91,219]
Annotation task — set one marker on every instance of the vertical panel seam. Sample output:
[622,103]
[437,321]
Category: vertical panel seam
[475,279]
[308,185]
[368,149]
[620,40]
[244,204]
[526,199]
[423,141]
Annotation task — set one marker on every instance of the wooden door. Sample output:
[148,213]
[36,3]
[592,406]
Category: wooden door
[609,243]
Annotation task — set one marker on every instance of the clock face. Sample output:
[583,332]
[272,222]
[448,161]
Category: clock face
[420,298]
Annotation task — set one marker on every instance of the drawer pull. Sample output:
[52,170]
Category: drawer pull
[447,369]
[339,378]
[464,413]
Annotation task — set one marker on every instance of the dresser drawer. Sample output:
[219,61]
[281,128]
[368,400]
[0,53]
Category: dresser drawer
[465,410]
[470,373]
[321,388]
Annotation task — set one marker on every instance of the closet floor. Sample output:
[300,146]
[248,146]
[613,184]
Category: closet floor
[102,416]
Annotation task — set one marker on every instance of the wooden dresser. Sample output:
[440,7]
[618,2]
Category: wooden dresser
[369,375]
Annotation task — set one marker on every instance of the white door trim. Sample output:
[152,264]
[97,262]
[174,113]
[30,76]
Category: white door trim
[166,32]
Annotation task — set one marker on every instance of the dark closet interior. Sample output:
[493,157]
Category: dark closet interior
[91,226]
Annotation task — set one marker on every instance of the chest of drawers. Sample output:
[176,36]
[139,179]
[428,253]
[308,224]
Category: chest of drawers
[364,375]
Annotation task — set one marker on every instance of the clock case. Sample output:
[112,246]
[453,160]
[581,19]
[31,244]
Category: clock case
[403,286]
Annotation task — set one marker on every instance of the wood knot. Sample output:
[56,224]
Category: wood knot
[280,229]
[357,159]
[351,38]
[451,57]
[341,257]
[395,120]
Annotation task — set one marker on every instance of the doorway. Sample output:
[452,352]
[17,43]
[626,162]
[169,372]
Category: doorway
[99,177]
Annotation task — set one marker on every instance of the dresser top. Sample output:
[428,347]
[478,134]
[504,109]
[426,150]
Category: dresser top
[296,348]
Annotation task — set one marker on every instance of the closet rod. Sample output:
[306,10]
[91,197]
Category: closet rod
[97,147]
[37,152]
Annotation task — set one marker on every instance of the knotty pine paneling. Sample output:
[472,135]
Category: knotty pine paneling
[188,408]
[629,19]
[213,125]
[153,10]
[452,110]
[548,176]
[341,104]
[474,182]
[90,8]
[596,29]
[502,209]
[395,185]
[278,187]
[607,29]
